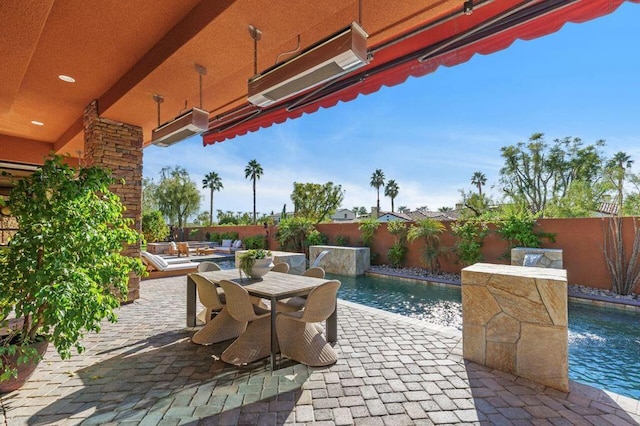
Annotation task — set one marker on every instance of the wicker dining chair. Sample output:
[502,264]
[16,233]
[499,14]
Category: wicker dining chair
[255,343]
[299,338]
[282,267]
[208,266]
[297,302]
[223,326]
[206,296]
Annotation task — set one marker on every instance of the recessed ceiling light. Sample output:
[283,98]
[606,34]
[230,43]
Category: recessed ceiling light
[37,123]
[67,78]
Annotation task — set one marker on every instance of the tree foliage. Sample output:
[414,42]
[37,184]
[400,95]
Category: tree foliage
[316,202]
[398,251]
[479,180]
[537,172]
[178,196]
[293,232]
[470,235]
[368,229]
[254,172]
[377,181]
[391,190]
[149,200]
[153,227]
[213,182]
[62,271]
[518,227]
[475,205]
[617,171]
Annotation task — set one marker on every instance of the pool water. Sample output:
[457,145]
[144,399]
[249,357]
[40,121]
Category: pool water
[604,343]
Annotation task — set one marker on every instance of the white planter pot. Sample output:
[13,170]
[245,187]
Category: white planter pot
[261,267]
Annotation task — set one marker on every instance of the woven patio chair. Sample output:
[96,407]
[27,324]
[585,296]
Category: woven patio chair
[282,267]
[255,343]
[296,303]
[299,338]
[223,326]
[210,301]
[208,266]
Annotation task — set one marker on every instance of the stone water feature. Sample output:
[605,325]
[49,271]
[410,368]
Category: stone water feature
[538,257]
[514,319]
[351,261]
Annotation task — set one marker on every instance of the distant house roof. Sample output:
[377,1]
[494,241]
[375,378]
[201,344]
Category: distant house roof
[424,214]
[343,215]
[417,215]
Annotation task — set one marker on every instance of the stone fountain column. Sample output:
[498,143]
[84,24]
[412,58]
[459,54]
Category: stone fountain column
[514,319]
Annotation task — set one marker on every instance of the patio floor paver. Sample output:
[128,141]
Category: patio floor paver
[393,370]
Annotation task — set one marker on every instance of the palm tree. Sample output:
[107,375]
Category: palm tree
[214,183]
[391,191]
[429,229]
[479,179]
[377,180]
[618,165]
[254,172]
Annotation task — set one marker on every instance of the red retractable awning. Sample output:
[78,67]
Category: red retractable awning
[452,40]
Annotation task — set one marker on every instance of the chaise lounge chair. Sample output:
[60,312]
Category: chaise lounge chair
[160,268]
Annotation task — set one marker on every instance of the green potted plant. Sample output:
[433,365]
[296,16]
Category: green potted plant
[255,263]
[62,272]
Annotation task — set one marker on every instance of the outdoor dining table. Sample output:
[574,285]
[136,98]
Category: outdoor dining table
[273,286]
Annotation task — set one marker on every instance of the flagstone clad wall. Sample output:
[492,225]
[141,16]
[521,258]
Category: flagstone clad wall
[118,147]
[548,258]
[350,261]
[514,319]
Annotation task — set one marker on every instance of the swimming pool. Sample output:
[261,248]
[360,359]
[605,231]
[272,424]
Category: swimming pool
[604,343]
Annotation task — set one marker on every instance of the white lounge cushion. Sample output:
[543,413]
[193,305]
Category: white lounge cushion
[161,261]
[237,244]
[161,265]
[226,243]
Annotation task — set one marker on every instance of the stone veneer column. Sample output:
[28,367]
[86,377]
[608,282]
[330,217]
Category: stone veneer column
[514,319]
[118,147]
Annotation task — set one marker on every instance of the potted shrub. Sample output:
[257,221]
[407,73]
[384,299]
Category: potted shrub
[255,263]
[62,272]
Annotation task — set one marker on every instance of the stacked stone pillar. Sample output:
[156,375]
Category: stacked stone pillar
[514,319]
[118,147]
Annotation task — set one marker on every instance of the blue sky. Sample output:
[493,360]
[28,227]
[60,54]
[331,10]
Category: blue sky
[431,133]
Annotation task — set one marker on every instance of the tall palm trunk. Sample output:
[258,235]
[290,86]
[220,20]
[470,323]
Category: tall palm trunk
[254,201]
[211,208]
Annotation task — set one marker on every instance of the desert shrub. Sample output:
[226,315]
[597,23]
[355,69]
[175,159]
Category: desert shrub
[315,238]
[430,230]
[518,228]
[398,251]
[396,255]
[292,233]
[229,235]
[255,242]
[470,235]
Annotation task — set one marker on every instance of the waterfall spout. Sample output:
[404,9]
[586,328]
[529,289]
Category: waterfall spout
[531,259]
